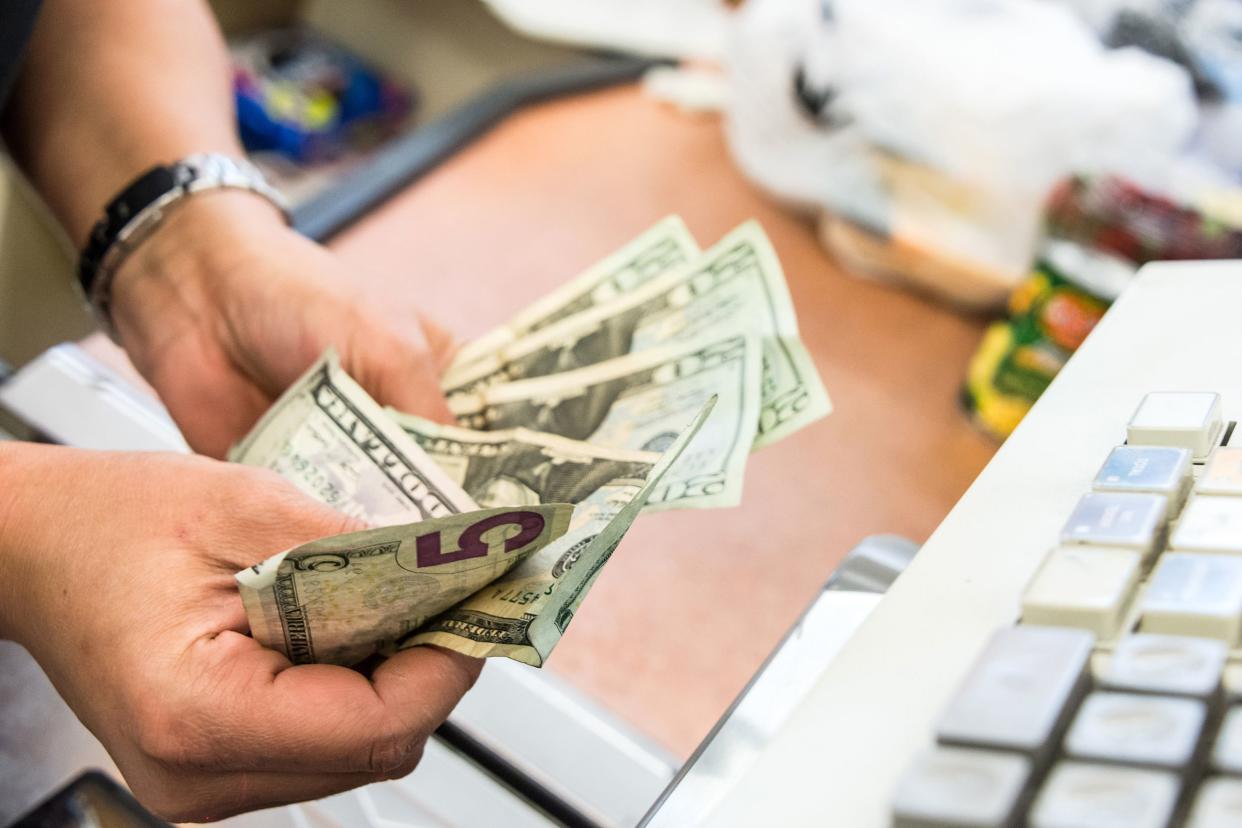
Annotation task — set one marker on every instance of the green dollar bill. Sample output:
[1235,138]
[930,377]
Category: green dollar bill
[520,467]
[334,443]
[736,286]
[661,248]
[524,613]
[641,402]
[437,580]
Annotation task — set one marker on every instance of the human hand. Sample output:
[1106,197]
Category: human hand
[223,307]
[116,573]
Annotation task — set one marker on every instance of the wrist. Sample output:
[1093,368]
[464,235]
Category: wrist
[178,276]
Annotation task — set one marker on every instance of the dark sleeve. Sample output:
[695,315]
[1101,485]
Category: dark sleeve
[17,19]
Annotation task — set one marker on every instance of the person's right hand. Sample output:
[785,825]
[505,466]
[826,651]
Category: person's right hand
[116,572]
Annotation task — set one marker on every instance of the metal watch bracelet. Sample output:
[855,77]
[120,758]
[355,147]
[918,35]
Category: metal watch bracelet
[197,173]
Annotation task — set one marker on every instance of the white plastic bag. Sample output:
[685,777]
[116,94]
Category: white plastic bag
[948,121]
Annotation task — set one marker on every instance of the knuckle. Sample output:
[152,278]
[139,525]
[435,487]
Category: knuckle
[165,739]
[392,754]
[411,762]
[152,739]
[159,746]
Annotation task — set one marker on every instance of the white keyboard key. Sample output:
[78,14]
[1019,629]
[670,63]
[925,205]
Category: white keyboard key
[1080,795]
[1083,586]
[1132,521]
[1174,664]
[1161,470]
[1217,805]
[1187,419]
[1223,473]
[1209,524]
[1227,752]
[1020,690]
[949,787]
[1133,729]
[1194,594]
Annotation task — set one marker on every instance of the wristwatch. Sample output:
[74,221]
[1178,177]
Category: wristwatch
[140,208]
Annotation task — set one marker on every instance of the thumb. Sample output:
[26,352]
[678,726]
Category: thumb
[440,340]
[270,515]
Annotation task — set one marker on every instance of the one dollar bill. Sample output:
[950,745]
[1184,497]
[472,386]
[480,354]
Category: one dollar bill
[337,445]
[524,613]
[641,402]
[664,247]
[736,286]
[340,599]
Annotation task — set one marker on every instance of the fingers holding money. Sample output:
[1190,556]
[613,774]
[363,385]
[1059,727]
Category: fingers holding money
[571,402]
[309,718]
[132,611]
[443,343]
[243,729]
[401,371]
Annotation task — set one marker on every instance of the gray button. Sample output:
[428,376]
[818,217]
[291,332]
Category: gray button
[1128,728]
[1173,664]
[1195,594]
[948,787]
[1161,470]
[1019,692]
[1131,520]
[1080,795]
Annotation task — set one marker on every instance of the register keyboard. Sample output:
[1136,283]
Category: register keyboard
[1111,703]
[1066,648]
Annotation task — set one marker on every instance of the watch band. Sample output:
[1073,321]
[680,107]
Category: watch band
[142,206]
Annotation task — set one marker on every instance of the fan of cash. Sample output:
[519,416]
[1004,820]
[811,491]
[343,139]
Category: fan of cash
[643,384]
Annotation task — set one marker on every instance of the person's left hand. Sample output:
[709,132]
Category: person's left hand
[224,307]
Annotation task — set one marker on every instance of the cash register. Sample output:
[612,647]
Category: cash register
[1064,649]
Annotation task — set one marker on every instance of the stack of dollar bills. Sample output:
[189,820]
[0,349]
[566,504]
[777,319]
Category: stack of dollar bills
[642,384]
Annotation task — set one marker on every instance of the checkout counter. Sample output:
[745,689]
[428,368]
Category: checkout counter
[523,747]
